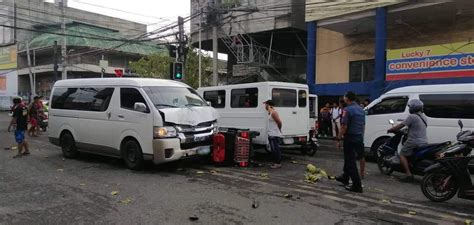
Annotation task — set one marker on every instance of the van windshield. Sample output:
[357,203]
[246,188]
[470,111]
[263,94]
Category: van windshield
[174,97]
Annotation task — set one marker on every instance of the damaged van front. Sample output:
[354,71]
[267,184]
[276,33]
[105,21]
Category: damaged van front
[184,124]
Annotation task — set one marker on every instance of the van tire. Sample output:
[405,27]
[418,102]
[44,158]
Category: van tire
[68,145]
[132,154]
[373,150]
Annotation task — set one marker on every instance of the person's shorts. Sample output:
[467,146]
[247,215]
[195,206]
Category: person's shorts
[407,150]
[34,122]
[19,136]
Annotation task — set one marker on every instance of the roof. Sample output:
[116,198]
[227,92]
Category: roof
[85,35]
[434,88]
[246,85]
[323,9]
[137,82]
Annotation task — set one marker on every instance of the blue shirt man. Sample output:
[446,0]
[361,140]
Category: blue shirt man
[352,132]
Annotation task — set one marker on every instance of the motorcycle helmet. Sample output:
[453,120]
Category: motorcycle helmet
[415,105]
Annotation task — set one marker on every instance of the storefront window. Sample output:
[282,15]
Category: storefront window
[360,71]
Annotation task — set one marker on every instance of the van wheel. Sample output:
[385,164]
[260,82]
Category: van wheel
[268,148]
[132,155]
[68,146]
[310,148]
[376,146]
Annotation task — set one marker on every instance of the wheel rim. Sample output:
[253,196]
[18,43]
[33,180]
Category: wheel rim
[384,167]
[131,153]
[439,186]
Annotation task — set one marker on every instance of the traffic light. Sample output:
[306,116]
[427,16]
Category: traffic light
[177,70]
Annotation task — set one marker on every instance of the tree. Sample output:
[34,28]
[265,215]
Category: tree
[158,66]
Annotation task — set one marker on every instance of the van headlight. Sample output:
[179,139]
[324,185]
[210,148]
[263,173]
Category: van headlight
[164,132]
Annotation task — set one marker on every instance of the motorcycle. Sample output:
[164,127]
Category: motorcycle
[388,159]
[450,174]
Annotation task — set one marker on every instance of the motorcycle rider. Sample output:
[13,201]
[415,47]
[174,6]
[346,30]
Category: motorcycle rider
[416,137]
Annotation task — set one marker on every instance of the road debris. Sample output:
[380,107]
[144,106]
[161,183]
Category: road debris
[255,204]
[114,193]
[294,162]
[82,184]
[264,175]
[199,172]
[386,201]
[288,195]
[412,213]
[126,201]
[468,222]
[193,218]
[314,174]
[60,170]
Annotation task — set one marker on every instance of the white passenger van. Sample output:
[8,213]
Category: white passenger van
[444,105]
[241,106]
[135,119]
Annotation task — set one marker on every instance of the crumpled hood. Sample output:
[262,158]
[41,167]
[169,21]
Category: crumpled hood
[189,116]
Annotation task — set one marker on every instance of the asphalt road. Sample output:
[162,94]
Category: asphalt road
[45,188]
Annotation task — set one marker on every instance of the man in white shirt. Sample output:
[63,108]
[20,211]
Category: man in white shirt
[336,113]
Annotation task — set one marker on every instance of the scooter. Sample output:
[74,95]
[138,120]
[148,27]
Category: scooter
[450,175]
[388,159]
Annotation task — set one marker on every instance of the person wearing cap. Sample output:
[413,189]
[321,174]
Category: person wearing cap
[274,133]
[352,133]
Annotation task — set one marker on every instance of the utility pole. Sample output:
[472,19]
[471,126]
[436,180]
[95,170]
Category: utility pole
[32,86]
[63,43]
[55,60]
[215,55]
[34,71]
[199,52]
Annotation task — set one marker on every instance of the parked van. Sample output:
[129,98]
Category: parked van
[135,119]
[444,105]
[241,106]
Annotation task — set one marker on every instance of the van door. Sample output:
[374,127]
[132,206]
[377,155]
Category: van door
[378,115]
[131,123]
[313,111]
[294,118]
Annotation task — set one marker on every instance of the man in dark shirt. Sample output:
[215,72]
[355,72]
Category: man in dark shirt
[352,132]
[20,115]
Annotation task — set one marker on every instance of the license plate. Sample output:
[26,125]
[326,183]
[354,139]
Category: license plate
[199,139]
[288,141]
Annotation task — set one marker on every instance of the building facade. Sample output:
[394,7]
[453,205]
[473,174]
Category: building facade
[95,45]
[264,39]
[371,48]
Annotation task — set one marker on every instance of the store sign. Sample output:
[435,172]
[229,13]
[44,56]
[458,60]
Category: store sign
[454,60]
[8,57]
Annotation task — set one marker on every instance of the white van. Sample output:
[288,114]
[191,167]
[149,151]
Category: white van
[444,105]
[135,119]
[241,106]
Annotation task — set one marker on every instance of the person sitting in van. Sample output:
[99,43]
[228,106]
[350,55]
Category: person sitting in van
[274,133]
[416,137]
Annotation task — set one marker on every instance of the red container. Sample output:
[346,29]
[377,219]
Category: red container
[218,150]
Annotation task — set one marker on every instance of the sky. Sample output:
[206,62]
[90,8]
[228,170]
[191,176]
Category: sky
[155,13]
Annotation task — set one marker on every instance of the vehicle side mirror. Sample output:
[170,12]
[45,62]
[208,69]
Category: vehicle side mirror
[391,122]
[140,107]
[461,125]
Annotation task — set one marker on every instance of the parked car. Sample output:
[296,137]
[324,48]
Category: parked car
[241,106]
[444,105]
[135,119]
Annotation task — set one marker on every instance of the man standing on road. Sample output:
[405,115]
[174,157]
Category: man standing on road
[416,123]
[326,120]
[274,133]
[352,133]
[336,113]
[20,115]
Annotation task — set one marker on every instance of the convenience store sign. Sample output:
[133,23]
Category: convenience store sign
[431,62]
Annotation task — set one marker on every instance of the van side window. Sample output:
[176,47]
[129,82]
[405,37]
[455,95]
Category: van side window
[84,98]
[217,98]
[459,106]
[130,96]
[284,97]
[244,98]
[302,100]
[390,105]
